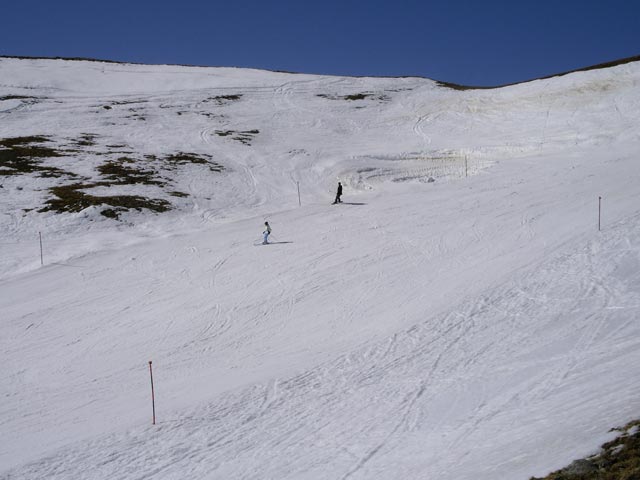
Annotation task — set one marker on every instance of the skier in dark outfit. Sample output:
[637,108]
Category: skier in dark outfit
[338,194]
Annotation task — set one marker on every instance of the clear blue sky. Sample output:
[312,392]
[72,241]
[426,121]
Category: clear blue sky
[487,42]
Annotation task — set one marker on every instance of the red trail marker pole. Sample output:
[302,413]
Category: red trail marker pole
[153,398]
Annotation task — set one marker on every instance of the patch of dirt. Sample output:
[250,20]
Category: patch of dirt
[72,198]
[244,137]
[380,97]
[25,155]
[618,460]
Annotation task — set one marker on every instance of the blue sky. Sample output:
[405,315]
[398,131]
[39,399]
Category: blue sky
[462,41]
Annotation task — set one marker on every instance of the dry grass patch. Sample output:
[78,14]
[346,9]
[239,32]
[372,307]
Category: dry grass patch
[618,460]
[24,155]
[72,198]
[244,137]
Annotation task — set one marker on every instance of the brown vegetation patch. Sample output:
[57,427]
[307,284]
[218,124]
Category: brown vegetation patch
[20,155]
[244,137]
[183,158]
[224,99]
[25,155]
[71,198]
[618,460]
[17,97]
[121,172]
[86,140]
[356,96]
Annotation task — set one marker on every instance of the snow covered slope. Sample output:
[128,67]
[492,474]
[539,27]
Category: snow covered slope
[478,326]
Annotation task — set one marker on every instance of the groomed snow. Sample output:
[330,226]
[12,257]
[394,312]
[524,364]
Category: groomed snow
[478,326]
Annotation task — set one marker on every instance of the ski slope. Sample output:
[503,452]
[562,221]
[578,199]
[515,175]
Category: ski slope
[460,316]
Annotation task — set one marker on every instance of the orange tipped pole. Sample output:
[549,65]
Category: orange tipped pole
[153,398]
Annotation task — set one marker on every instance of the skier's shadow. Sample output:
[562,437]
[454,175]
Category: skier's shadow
[353,203]
[67,265]
[277,243]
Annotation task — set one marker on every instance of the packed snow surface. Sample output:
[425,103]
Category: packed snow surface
[459,316]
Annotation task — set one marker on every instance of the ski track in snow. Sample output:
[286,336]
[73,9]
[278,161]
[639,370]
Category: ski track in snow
[474,328]
[230,435]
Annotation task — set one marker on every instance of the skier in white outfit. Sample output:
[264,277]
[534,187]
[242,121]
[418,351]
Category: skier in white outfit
[265,234]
